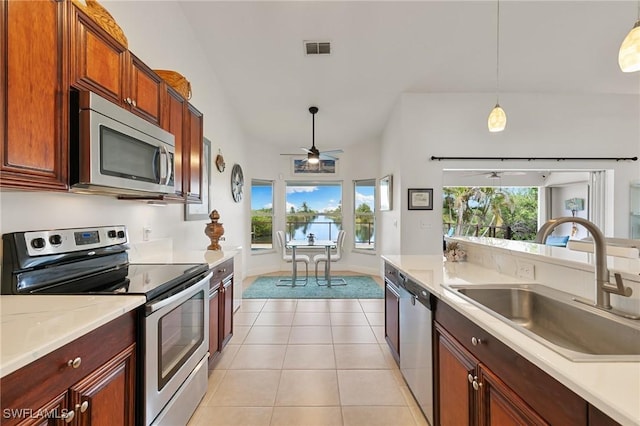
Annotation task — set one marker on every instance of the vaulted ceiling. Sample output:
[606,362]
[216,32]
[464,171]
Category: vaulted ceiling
[381,49]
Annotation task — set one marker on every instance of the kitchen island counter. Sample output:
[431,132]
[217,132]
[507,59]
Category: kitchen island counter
[612,387]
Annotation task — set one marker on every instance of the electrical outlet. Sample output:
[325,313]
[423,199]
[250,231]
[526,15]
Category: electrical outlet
[145,233]
[526,271]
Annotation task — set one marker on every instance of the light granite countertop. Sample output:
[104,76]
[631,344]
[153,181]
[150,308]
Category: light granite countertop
[33,326]
[612,387]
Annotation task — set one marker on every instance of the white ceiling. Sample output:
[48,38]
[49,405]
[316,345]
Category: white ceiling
[382,49]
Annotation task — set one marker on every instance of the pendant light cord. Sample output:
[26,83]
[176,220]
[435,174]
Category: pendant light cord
[498,53]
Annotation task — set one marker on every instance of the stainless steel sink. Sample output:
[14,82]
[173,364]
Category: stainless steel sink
[576,331]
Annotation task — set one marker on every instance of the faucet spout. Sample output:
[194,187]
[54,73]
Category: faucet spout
[603,299]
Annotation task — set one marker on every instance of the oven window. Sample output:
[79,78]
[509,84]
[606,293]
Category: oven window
[181,332]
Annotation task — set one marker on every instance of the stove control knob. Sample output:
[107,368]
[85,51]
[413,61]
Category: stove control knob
[120,234]
[111,233]
[38,243]
[55,239]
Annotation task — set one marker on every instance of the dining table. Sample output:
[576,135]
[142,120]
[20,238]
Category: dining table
[317,244]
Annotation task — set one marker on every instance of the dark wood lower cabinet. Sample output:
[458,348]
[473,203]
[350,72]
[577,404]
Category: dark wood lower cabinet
[392,320]
[214,321]
[481,381]
[220,308]
[99,390]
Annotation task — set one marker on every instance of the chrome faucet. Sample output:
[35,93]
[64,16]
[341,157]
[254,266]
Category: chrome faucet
[603,288]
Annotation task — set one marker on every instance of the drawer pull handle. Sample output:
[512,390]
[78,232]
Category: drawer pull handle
[475,341]
[75,363]
[68,416]
[82,407]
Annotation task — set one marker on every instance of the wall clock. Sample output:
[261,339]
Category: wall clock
[237,182]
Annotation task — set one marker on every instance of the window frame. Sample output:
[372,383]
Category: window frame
[358,246]
[259,250]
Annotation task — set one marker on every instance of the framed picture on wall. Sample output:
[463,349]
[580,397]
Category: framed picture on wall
[201,211]
[420,198]
[386,193]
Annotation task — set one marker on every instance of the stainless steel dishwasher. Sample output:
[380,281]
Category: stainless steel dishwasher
[416,352]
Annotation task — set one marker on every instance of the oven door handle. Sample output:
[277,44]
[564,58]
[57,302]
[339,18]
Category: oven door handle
[185,294]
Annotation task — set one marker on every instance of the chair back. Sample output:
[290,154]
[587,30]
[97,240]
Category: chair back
[340,244]
[280,238]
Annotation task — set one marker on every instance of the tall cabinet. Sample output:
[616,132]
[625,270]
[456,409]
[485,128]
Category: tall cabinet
[35,93]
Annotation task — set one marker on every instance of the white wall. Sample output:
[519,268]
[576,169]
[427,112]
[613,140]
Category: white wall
[539,125]
[163,40]
[558,196]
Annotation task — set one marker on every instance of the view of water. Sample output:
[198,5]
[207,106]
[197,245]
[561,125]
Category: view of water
[323,227]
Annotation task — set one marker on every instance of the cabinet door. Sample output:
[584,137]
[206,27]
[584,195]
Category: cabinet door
[107,396]
[214,323]
[98,61]
[501,406]
[34,94]
[144,91]
[50,414]
[192,162]
[392,320]
[226,328]
[456,398]
[173,122]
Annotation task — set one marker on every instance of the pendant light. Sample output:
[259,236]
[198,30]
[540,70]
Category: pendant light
[497,118]
[629,54]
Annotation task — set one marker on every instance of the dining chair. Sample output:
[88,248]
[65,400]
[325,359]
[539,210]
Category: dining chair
[289,259]
[334,256]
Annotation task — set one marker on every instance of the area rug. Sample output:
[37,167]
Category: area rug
[358,287]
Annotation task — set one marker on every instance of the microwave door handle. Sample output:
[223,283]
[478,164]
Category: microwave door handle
[164,180]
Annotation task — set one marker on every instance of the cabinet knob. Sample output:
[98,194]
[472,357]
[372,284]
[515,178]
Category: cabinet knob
[222,270]
[476,385]
[127,101]
[82,407]
[470,378]
[133,102]
[475,341]
[75,363]
[68,416]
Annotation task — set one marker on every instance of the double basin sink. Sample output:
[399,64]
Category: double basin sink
[576,331]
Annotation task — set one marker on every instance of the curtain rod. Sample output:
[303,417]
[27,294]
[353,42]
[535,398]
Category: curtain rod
[433,158]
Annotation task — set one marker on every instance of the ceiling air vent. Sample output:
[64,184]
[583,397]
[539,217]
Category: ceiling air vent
[317,47]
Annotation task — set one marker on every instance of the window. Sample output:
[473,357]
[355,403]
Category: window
[313,208]
[364,196]
[261,214]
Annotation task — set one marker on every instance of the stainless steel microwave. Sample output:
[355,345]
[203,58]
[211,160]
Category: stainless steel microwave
[114,151]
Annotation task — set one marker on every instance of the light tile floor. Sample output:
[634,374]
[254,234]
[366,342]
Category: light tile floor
[307,363]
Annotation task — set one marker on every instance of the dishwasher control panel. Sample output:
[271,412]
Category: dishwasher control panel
[421,294]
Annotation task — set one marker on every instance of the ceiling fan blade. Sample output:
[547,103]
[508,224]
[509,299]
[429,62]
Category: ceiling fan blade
[307,150]
[324,156]
[333,151]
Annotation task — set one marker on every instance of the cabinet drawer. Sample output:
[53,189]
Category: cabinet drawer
[33,385]
[221,271]
[548,397]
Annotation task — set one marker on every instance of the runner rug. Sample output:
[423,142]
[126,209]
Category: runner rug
[358,287]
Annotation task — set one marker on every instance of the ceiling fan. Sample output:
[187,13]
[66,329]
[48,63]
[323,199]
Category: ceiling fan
[313,154]
[496,174]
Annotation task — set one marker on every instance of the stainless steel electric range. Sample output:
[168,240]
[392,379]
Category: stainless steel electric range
[173,326]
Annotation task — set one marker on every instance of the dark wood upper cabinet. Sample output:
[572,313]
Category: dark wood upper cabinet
[34,106]
[192,160]
[101,64]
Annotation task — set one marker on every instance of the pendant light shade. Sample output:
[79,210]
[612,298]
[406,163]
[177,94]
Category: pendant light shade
[629,55]
[497,119]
